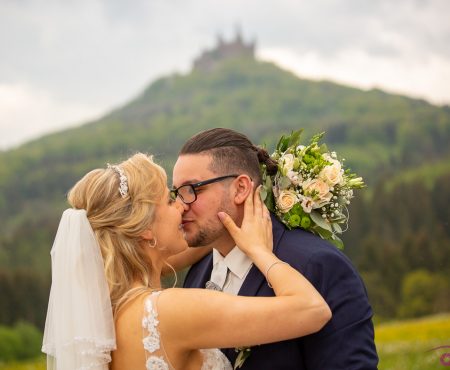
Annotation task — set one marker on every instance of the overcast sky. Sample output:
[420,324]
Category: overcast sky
[63,62]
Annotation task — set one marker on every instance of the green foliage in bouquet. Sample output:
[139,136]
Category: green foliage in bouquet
[311,188]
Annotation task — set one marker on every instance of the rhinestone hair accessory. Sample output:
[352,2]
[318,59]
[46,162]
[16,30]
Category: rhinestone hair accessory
[123,186]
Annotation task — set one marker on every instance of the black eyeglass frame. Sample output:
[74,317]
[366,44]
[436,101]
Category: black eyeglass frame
[174,193]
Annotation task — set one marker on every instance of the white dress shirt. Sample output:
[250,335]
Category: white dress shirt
[238,265]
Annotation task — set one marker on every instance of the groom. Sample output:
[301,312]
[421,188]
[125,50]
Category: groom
[207,166]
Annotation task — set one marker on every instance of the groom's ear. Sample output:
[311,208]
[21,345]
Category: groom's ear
[243,188]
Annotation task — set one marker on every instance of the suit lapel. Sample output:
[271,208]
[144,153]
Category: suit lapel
[200,273]
[252,282]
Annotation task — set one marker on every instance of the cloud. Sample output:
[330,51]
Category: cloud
[357,68]
[97,54]
[27,113]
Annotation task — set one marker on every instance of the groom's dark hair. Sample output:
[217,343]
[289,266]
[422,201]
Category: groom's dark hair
[231,151]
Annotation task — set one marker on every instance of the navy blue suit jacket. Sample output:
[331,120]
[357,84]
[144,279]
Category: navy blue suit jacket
[346,342]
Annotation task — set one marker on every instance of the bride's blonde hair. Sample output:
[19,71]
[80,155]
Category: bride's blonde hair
[118,222]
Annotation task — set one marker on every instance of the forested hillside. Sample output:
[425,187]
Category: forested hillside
[399,235]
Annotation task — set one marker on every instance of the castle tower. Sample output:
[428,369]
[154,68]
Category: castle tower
[225,50]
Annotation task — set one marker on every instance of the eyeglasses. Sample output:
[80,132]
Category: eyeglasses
[187,192]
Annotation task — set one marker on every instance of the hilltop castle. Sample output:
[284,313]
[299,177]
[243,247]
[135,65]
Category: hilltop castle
[224,50]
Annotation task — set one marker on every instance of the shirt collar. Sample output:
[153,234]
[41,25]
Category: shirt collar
[237,261]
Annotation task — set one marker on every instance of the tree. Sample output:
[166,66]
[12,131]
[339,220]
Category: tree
[422,293]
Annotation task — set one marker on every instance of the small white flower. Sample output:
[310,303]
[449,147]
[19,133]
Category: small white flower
[307,204]
[295,177]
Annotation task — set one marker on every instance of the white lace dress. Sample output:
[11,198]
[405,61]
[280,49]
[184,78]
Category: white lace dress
[213,359]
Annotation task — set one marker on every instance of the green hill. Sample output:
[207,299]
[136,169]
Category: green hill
[388,139]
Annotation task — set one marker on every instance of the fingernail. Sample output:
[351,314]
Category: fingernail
[221,215]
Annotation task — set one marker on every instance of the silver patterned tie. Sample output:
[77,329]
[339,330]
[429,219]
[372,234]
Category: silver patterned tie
[218,276]
[213,286]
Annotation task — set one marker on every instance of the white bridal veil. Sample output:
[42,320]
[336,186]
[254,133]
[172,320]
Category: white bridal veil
[79,330]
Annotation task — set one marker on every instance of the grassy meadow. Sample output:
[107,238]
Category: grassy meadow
[408,345]
[402,345]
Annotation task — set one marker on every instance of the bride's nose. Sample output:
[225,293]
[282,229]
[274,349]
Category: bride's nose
[180,206]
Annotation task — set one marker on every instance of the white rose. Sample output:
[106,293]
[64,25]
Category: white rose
[286,200]
[318,190]
[288,162]
[331,174]
[295,177]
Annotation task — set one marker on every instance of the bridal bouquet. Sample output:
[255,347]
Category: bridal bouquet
[311,188]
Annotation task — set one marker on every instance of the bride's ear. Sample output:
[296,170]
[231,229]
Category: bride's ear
[147,234]
[243,188]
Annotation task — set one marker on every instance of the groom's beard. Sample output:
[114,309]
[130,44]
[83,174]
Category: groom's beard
[208,233]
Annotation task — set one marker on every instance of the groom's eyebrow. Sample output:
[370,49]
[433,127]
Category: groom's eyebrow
[187,182]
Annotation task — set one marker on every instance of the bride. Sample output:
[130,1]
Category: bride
[106,296]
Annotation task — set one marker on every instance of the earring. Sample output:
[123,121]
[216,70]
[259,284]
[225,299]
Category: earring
[152,243]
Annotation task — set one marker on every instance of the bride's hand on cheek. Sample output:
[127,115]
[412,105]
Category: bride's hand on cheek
[255,233]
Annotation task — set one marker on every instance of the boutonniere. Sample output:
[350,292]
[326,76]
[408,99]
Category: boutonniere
[244,353]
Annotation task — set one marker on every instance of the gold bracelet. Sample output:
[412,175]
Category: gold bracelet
[268,269]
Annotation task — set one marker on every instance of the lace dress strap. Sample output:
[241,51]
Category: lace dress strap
[213,359]
[152,338]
